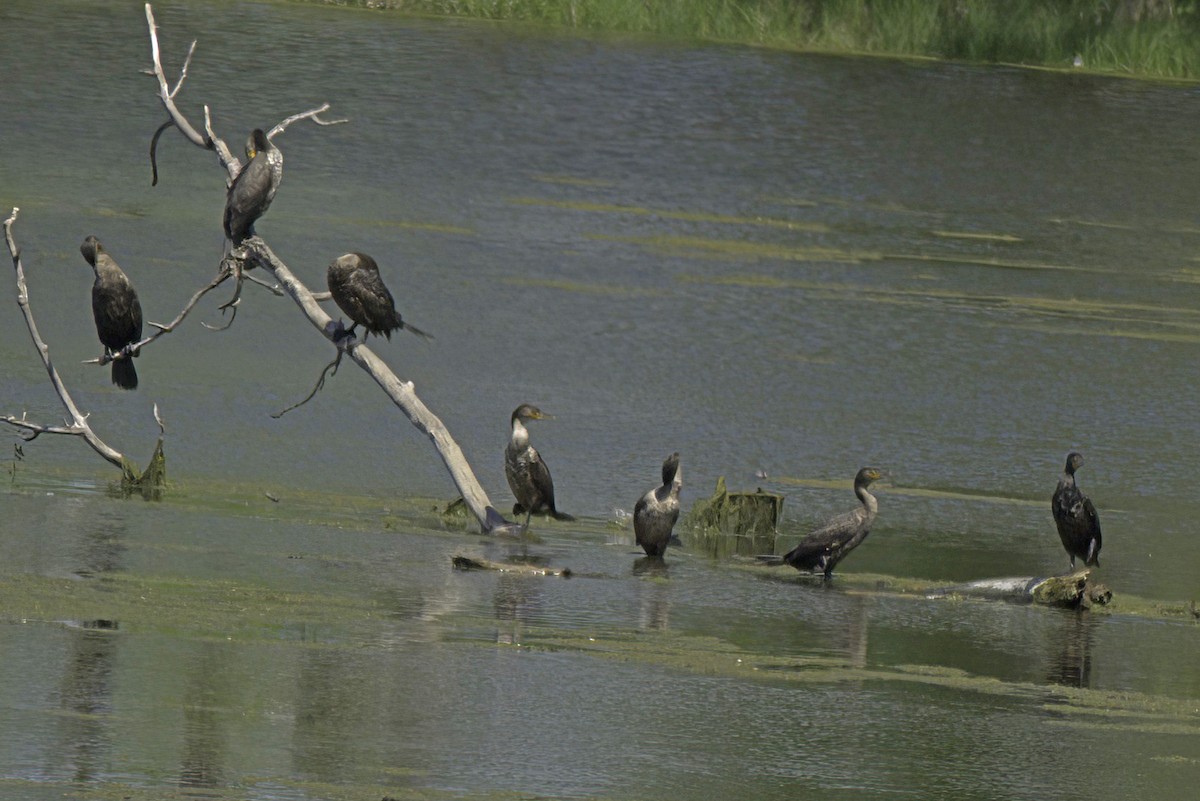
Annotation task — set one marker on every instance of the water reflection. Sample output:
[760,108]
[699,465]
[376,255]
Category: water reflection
[100,548]
[516,601]
[86,694]
[1070,664]
[204,737]
[654,605]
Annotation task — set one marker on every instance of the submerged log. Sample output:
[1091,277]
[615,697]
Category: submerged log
[1071,590]
[742,523]
[461,562]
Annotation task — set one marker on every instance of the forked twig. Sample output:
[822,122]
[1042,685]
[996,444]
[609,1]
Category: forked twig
[330,369]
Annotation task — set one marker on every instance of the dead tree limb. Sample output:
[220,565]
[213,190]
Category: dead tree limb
[257,251]
[78,425]
[168,327]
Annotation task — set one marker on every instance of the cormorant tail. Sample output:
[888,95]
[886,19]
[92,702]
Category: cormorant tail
[124,374]
[772,561]
[561,515]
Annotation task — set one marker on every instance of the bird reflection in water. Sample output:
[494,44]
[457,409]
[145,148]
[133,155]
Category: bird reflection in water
[516,601]
[204,738]
[654,604]
[1071,665]
[86,695]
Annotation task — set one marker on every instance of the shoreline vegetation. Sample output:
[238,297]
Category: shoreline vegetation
[1135,38]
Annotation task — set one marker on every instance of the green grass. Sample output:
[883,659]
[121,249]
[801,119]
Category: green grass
[1149,38]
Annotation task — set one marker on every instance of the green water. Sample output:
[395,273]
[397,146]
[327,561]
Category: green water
[784,267]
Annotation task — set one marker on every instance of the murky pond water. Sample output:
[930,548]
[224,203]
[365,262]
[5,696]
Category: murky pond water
[773,263]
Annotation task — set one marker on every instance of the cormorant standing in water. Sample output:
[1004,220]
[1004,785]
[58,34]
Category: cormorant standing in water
[655,513]
[117,311]
[823,548]
[1076,518]
[254,188]
[359,292]
[528,477]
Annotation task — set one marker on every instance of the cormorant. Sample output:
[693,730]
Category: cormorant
[359,292]
[254,188]
[655,514]
[1076,518]
[117,311]
[823,548]
[528,477]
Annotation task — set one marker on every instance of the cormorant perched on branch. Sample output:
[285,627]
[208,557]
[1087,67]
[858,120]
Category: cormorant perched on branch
[1076,518]
[359,292]
[823,548]
[528,477]
[254,188]
[655,514]
[117,311]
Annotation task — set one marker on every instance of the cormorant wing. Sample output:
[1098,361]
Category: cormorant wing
[539,474]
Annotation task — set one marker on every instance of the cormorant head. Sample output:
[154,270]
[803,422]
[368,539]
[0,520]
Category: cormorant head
[257,141]
[1074,462]
[91,249]
[526,412]
[866,476]
[357,261]
[670,469]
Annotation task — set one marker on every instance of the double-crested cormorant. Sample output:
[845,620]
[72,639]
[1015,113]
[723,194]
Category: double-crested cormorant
[655,513]
[254,188]
[359,292]
[1076,518]
[117,311]
[528,477]
[823,548]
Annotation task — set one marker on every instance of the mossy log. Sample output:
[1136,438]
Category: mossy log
[1071,590]
[728,523]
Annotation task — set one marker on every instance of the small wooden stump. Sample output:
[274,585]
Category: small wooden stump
[729,523]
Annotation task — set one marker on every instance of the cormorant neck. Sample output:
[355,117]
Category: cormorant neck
[520,435]
[868,500]
[676,483]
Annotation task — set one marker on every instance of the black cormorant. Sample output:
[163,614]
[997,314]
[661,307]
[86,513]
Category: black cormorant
[655,514]
[254,188]
[1076,518]
[823,548]
[359,292]
[528,477]
[117,311]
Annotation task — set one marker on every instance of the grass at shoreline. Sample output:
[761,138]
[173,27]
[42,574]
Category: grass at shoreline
[1142,38]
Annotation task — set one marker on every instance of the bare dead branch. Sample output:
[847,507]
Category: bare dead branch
[274,289]
[330,369]
[311,114]
[78,424]
[164,91]
[187,62]
[125,352]
[401,393]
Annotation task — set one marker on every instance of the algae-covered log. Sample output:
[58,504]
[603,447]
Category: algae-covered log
[1072,589]
[742,523]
